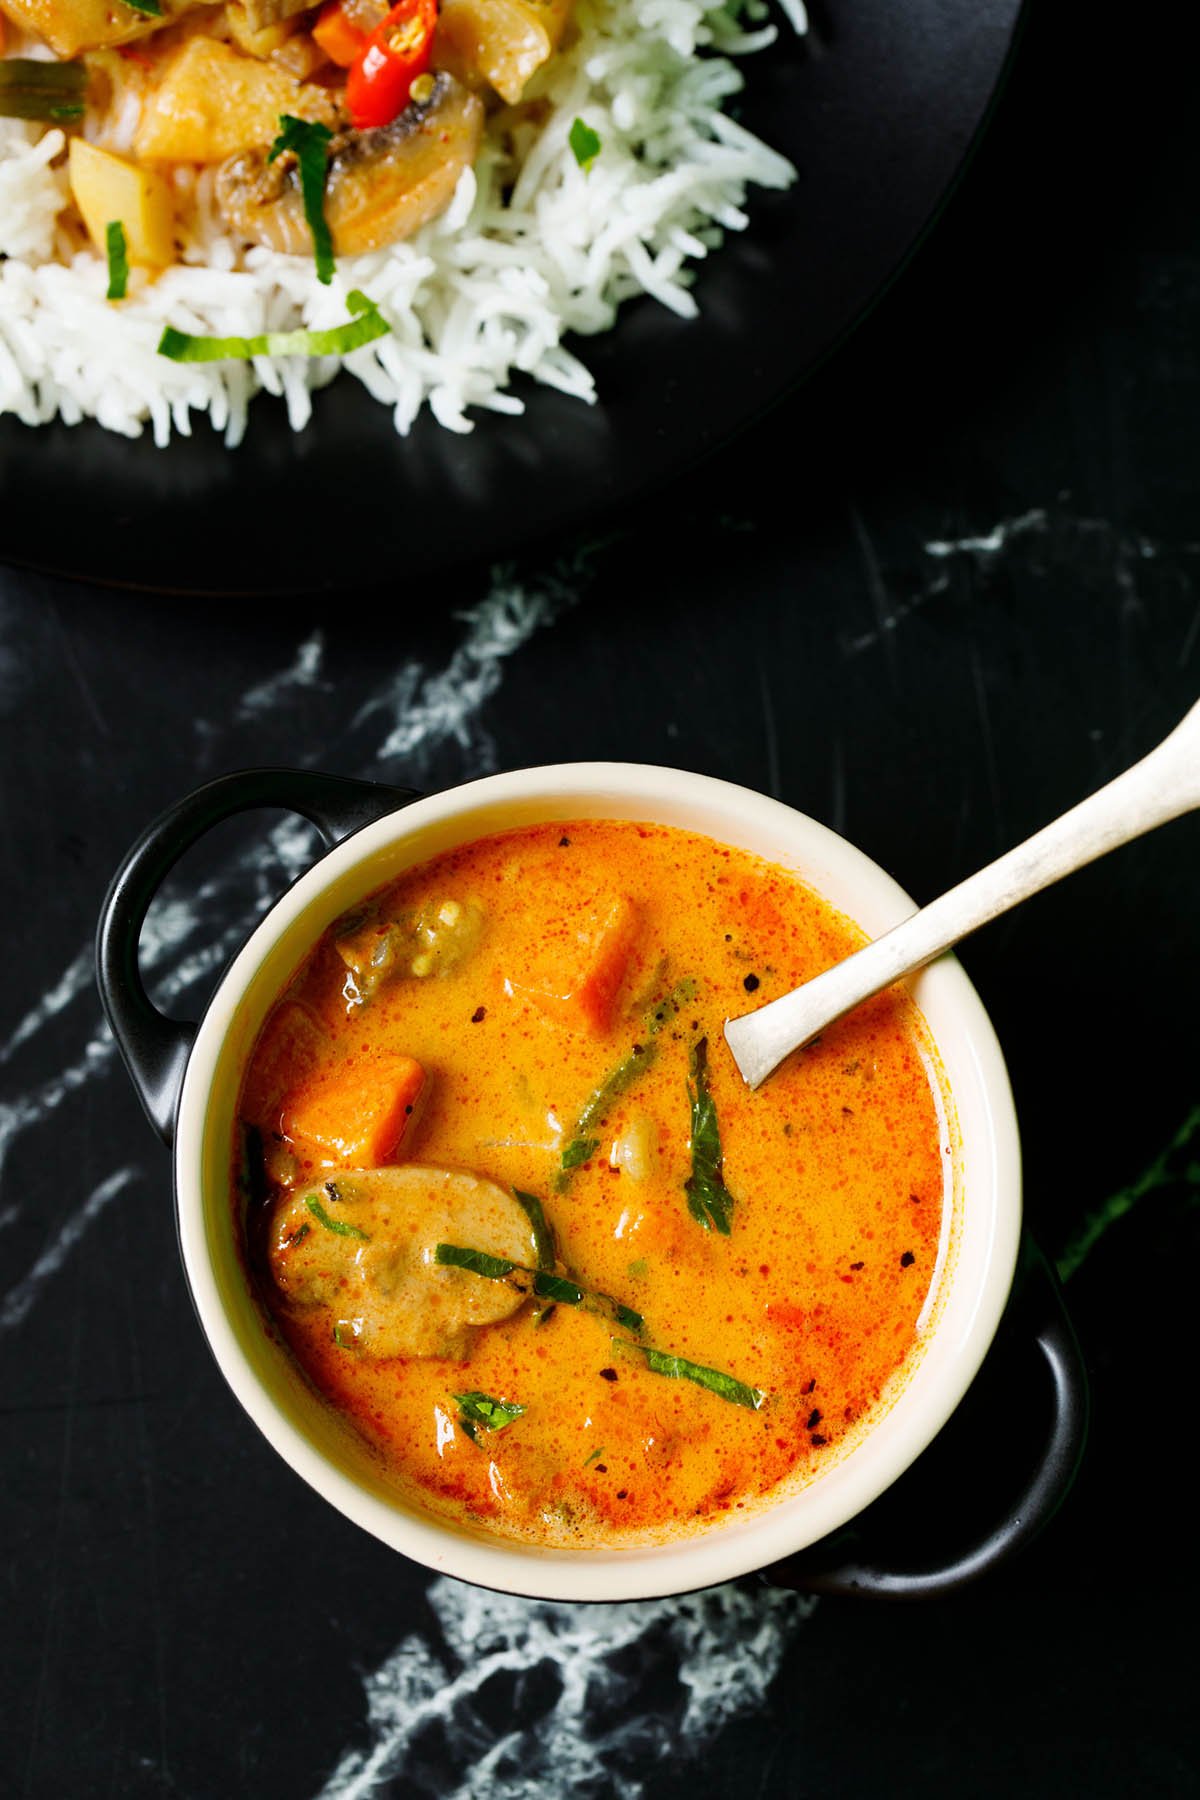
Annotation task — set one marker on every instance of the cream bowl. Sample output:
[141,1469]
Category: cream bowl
[188,1079]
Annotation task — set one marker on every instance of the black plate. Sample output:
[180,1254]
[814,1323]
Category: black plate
[877,109]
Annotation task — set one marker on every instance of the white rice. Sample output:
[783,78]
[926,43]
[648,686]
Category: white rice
[484,292]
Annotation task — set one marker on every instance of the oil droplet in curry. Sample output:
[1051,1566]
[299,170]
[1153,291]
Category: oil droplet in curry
[515,1212]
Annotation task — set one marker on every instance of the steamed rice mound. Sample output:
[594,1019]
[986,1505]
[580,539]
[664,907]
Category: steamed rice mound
[532,247]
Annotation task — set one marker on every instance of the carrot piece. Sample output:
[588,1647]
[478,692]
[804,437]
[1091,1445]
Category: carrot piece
[582,993]
[357,1116]
[338,36]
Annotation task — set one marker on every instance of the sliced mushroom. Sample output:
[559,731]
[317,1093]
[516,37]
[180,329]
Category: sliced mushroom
[381,186]
[72,26]
[363,1247]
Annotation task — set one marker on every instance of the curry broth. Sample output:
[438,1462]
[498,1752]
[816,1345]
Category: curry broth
[836,1167]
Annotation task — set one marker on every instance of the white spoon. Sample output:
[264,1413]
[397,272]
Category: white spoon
[1160,787]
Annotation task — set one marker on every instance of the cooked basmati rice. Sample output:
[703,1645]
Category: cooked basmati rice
[484,292]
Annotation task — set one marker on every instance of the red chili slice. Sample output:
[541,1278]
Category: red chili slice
[380,81]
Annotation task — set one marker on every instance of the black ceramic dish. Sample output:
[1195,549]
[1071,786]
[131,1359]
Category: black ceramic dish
[878,109]
[1008,1455]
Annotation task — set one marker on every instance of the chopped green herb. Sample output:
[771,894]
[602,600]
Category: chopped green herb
[339,1226]
[342,1338]
[31,89]
[298,1236]
[727,1387]
[593,1455]
[642,1057]
[367,324]
[671,1005]
[476,1262]
[585,145]
[543,1242]
[150,8]
[118,260]
[578,1151]
[639,1269]
[477,1410]
[543,1231]
[709,1200]
[558,1289]
[309,144]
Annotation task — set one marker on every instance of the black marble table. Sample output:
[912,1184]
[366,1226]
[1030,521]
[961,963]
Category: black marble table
[932,600]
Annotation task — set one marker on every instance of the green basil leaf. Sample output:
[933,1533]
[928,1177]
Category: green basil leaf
[619,1079]
[709,1200]
[726,1387]
[149,8]
[578,1151]
[585,145]
[340,1227]
[118,260]
[557,1288]
[476,1262]
[309,143]
[477,1409]
[367,324]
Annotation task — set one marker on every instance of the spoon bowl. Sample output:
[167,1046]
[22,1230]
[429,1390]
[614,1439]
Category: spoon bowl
[1164,785]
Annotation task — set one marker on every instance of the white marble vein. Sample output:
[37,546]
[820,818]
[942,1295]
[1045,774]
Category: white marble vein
[18,1300]
[448,706]
[628,1689]
[1045,538]
[303,673]
[74,979]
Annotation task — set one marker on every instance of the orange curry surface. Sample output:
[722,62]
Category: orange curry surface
[461,1022]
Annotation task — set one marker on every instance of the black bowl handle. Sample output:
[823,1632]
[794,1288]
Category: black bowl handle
[154,1047]
[1037,1318]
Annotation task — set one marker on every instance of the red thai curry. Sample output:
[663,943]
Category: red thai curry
[514,1211]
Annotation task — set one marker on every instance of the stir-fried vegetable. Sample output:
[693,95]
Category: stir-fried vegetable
[42,90]
[107,188]
[381,77]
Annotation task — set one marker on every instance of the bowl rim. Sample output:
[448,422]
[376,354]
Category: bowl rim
[967,1319]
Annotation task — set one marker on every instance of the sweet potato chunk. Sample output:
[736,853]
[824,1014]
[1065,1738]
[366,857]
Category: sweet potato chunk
[578,982]
[356,1117]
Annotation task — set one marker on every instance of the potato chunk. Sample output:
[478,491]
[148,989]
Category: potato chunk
[213,102]
[502,42]
[363,1248]
[72,26]
[106,187]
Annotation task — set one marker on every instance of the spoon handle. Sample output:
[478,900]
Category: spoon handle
[1163,785]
